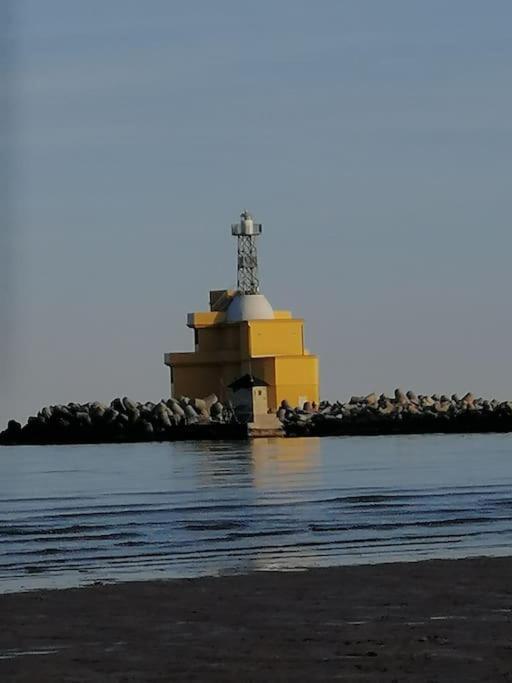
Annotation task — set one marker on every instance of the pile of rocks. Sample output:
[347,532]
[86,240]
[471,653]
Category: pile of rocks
[183,418]
[404,413]
[122,420]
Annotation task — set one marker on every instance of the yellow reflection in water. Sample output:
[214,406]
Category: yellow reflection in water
[277,461]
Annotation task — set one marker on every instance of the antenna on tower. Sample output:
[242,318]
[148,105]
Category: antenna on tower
[247,270]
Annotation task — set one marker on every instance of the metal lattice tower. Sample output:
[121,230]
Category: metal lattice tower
[247,271]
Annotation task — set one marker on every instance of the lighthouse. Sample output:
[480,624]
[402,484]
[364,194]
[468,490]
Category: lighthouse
[242,346]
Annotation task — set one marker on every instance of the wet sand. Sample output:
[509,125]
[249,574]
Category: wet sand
[426,621]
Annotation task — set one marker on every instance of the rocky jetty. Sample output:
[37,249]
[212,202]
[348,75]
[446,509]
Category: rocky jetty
[402,413]
[125,420]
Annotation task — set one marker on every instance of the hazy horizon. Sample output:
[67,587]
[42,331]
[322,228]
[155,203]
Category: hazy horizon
[372,140]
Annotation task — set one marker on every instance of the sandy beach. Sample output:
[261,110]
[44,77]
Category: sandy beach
[425,621]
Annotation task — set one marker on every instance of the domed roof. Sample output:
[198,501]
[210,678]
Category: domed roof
[249,307]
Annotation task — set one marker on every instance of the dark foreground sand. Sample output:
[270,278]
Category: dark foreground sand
[428,621]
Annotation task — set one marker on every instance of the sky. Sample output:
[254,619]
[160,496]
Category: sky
[372,139]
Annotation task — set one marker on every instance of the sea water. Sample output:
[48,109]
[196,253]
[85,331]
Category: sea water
[72,515]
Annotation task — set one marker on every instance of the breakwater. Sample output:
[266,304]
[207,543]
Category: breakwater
[125,420]
[402,413]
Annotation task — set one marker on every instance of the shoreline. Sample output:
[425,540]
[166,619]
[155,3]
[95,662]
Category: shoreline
[411,621]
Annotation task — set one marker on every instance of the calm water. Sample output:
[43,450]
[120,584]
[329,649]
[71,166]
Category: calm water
[73,515]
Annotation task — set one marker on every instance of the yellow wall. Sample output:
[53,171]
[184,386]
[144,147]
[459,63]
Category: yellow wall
[272,350]
[223,338]
[295,378]
[276,337]
[196,381]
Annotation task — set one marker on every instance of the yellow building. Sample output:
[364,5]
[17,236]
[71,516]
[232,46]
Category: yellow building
[242,335]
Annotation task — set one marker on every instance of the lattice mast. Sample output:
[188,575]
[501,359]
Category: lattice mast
[247,271]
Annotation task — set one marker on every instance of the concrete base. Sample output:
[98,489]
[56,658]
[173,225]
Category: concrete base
[265,426]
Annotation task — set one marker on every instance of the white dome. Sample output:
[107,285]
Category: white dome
[249,307]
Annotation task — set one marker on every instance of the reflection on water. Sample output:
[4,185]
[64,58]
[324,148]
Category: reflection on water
[71,515]
[280,460]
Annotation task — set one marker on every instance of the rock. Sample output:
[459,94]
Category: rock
[371,399]
[217,410]
[386,409]
[177,409]
[308,407]
[47,413]
[354,400]
[97,412]
[468,398]
[117,405]
[162,408]
[281,414]
[198,404]
[110,415]
[129,405]
[12,434]
[62,411]
[161,419]
[146,427]
[210,401]
[190,414]
[285,405]
[412,397]
[41,418]
[400,397]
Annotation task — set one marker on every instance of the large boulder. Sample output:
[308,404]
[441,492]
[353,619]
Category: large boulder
[281,414]
[117,405]
[191,415]
[400,398]
[176,408]
[198,404]
[217,410]
[210,401]
[129,405]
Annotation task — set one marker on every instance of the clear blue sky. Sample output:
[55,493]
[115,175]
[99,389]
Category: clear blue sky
[372,139]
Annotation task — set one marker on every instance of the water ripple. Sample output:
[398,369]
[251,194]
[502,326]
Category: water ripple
[69,515]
